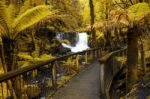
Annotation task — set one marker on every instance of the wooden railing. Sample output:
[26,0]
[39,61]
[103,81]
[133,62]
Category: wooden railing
[41,79]
[109,67]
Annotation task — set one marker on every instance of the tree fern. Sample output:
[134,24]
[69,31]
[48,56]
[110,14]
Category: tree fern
[31,17]
[13,22]
[138,10]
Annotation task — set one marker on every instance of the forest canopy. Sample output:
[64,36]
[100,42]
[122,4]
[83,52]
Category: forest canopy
[29,30]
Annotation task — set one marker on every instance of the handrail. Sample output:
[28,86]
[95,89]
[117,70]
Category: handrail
[37,65]
[107,56]
[109,67]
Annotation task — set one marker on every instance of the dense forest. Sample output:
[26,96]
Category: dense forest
[33,31]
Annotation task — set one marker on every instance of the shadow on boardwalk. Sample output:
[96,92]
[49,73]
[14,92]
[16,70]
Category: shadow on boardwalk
[84,86]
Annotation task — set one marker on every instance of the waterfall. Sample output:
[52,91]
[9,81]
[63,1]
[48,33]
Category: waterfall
[81,45]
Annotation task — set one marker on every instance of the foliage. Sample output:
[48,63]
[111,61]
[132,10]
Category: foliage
[99,7]
[68,17]
[29,59]
[134,13]
[3,89]
[32,90]
[12,23]
[1,69]
[70,62]
[99,35]
[122,59]
[70,65]
[66,41]
[85,12]
[138,10]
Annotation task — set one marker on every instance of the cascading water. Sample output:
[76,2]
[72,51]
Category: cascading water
[81,45]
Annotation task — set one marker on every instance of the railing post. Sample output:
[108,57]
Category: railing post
[86,57]
[102,78]
[12,91]
[54,75]
[125,52]
[107,94]
[93,54]
[97,53]
[114,65]
[34,73]
[100,52]
[77,62]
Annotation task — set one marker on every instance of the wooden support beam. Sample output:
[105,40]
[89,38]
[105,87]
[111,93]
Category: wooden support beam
[86,57]
[54,84]
[102,79]
[77,63]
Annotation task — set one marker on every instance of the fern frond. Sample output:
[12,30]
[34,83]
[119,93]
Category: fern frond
[11,14]
[3,20]
[137,11]
[30,18]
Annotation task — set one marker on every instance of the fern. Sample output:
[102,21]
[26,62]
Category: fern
[121,59]
[13,22]
[99,35]
[69,62]
[28,59]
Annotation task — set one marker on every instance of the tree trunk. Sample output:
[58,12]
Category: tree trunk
[92,23]
[5,67]
[108,39]
[132,59]
[3,58]
[107,10]
[10,63]
[8,49]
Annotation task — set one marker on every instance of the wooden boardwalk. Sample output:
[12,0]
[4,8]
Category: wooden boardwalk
[85,85]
